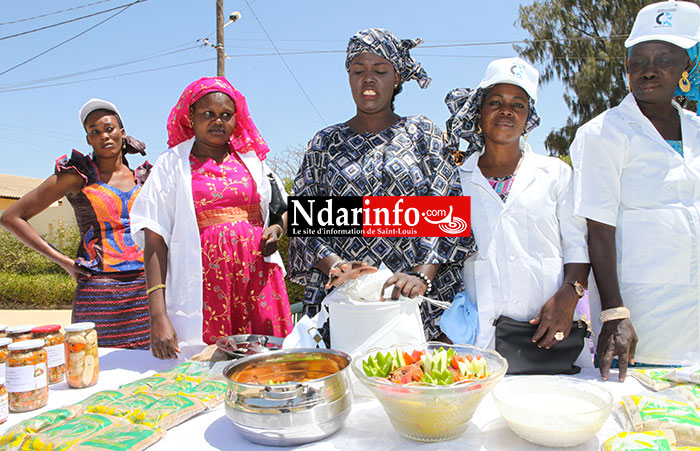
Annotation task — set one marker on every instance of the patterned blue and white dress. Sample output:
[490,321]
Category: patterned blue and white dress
[406,159]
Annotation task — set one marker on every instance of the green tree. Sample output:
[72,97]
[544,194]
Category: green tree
[581,42]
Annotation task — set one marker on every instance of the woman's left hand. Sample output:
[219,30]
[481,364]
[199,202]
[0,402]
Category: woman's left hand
[556,315]
[270,239]
[405,285]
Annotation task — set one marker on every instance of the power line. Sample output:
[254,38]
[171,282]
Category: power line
[148,57]
[53,13]
[285,63]
[67,40]
[109,76]
[67,21]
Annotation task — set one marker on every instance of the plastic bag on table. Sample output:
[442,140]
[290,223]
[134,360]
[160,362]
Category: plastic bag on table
[12,437]
[653,378]
[124,437]
[305,333]
[640,441]
[650,413]
[356,315]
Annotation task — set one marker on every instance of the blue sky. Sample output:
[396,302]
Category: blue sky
[289,99]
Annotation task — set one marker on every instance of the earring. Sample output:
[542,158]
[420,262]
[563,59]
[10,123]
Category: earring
[684,83]
[124,145]
[526,133]
[396,85]
[478,129]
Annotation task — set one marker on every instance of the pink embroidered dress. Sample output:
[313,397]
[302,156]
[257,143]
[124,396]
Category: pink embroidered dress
[242,293]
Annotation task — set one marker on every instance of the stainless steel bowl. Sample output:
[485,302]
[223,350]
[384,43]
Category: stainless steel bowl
[290,397]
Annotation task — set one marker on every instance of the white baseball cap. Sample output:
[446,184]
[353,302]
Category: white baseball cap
[514,71]
[671,21]
[96,104]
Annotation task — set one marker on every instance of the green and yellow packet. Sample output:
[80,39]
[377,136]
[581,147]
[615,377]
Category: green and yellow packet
[654,378]
[651,413]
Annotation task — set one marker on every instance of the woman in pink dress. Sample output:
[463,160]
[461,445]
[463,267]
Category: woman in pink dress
[210,196]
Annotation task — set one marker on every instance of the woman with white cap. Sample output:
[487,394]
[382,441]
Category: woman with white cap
[636,181]
[532,260]
[111,290]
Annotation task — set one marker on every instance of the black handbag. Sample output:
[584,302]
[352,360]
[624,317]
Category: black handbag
[277,204]
[514,343]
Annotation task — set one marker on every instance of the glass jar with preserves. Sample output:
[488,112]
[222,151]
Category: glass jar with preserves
[3,327]
[4,412]
[82,361]
[55,351]
[26,378]
[3,354]
[19,333]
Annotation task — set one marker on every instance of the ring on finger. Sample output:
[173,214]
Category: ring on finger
[559,336]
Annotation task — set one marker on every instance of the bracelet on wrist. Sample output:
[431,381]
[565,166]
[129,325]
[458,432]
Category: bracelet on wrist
[154,288]
[612,314]
[425,279]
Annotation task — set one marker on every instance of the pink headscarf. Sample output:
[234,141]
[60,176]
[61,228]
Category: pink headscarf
[245,137]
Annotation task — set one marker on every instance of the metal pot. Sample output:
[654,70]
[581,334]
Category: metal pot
[289,397]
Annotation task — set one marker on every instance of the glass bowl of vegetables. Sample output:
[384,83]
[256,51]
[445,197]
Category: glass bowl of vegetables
[430,391]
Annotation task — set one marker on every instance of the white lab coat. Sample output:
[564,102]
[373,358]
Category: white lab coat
[523,243]
[165,206]
[627,176]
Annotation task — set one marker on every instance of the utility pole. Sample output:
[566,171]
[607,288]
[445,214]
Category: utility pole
[220,55]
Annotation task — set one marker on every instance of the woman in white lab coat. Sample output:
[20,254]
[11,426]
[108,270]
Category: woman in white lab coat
[637,183]
[532,261]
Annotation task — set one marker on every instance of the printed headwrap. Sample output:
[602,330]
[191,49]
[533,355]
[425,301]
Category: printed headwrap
[245,136]
[383,43]
[693,77]
[465,110]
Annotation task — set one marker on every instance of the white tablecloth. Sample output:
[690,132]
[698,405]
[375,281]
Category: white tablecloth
[366,428]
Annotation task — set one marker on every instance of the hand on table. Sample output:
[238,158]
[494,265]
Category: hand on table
[405,285]
[163,338]
[556,315]
[270,239]
[616,338]
[347,271]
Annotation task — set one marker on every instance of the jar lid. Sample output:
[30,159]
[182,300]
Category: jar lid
[46,329]
[76,327]
[24,328]
[5,341]
[26,344]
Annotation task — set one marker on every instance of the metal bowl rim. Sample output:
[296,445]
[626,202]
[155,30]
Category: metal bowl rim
[267,355]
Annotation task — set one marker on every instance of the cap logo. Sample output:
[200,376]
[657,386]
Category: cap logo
[664,18]
[517,70]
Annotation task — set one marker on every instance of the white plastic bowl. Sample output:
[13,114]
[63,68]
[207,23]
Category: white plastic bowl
[553,411]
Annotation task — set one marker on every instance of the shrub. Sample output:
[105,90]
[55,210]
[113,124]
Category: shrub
[19,258]
[43,291]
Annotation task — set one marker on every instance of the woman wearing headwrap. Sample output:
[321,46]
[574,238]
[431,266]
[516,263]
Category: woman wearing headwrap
[636,181]
[532,260]
[101,188]
[379,153]
[211,255]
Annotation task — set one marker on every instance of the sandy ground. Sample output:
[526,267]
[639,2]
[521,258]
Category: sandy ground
[36,317]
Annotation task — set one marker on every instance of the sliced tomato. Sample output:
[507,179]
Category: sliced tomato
[455,362]
[408,359]
[469,358]
[416,355]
